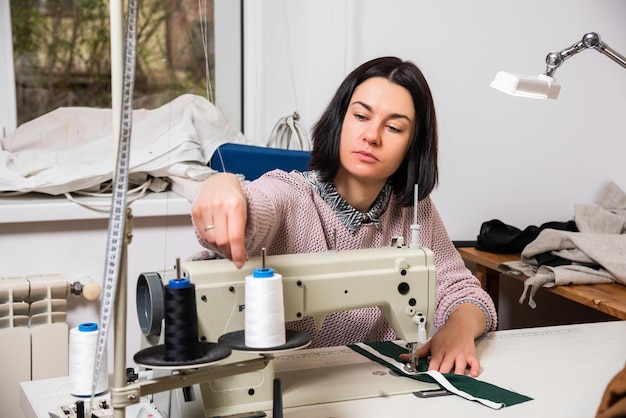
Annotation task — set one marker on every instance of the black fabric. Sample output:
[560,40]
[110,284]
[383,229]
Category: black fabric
[497,237]
[549,259]
[553,260]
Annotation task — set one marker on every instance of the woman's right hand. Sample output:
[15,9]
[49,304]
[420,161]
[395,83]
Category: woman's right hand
[219,213]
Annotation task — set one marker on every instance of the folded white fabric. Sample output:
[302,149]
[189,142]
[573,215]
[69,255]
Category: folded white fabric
[71,149]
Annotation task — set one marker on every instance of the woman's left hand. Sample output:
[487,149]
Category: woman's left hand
[452,349]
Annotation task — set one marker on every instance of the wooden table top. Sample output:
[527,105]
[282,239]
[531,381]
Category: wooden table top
[607,298]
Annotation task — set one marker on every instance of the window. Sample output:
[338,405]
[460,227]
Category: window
[61,53]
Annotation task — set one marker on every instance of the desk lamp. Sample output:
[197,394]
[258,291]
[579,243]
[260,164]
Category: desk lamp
[544,86]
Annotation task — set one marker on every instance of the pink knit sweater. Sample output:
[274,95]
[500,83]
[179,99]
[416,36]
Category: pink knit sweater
[286,216]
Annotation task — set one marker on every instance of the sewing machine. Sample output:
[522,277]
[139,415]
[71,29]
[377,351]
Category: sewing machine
[398,279]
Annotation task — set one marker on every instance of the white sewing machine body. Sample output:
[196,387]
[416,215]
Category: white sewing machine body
[399,280]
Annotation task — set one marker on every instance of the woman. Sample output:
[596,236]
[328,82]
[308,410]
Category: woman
[376,139]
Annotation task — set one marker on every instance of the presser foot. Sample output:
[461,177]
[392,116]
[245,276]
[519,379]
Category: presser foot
[411,366]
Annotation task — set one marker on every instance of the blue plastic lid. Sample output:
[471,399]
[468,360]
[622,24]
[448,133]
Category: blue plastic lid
[179,283]
[263,273]
[88,326]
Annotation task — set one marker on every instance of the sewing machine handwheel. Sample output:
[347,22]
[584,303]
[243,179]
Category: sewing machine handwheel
[154,357]
[295,340]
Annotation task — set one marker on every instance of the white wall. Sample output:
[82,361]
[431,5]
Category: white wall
[519,160]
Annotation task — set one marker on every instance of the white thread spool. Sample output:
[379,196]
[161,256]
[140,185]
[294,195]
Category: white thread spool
[82,358]
[264,312]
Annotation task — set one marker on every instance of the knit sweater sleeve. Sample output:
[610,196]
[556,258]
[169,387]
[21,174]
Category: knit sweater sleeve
[455,282]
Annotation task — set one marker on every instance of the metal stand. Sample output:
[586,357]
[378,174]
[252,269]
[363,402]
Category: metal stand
[121,306]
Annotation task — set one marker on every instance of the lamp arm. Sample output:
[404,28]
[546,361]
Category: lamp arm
[590,40]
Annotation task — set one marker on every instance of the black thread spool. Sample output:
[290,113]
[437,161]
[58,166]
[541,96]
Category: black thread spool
[181,321]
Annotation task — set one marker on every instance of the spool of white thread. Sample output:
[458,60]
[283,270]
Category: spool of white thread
[264,312]
[82,357]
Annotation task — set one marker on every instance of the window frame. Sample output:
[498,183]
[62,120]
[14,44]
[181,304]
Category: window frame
[8,104]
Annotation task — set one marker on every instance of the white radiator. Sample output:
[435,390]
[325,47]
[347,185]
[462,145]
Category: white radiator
[34,334]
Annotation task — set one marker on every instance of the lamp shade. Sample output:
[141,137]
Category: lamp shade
[540,87]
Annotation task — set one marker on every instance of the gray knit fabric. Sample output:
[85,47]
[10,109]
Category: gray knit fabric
[597,251]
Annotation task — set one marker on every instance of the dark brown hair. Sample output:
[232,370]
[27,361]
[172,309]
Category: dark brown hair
[420,164]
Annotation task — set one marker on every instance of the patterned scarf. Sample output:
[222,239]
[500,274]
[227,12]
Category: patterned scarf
[349,216]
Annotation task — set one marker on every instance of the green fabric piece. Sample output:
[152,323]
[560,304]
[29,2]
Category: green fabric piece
[465,383]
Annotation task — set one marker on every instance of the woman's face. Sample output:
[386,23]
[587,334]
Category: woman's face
[377,130]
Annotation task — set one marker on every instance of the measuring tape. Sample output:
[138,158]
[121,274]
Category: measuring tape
[116,237]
